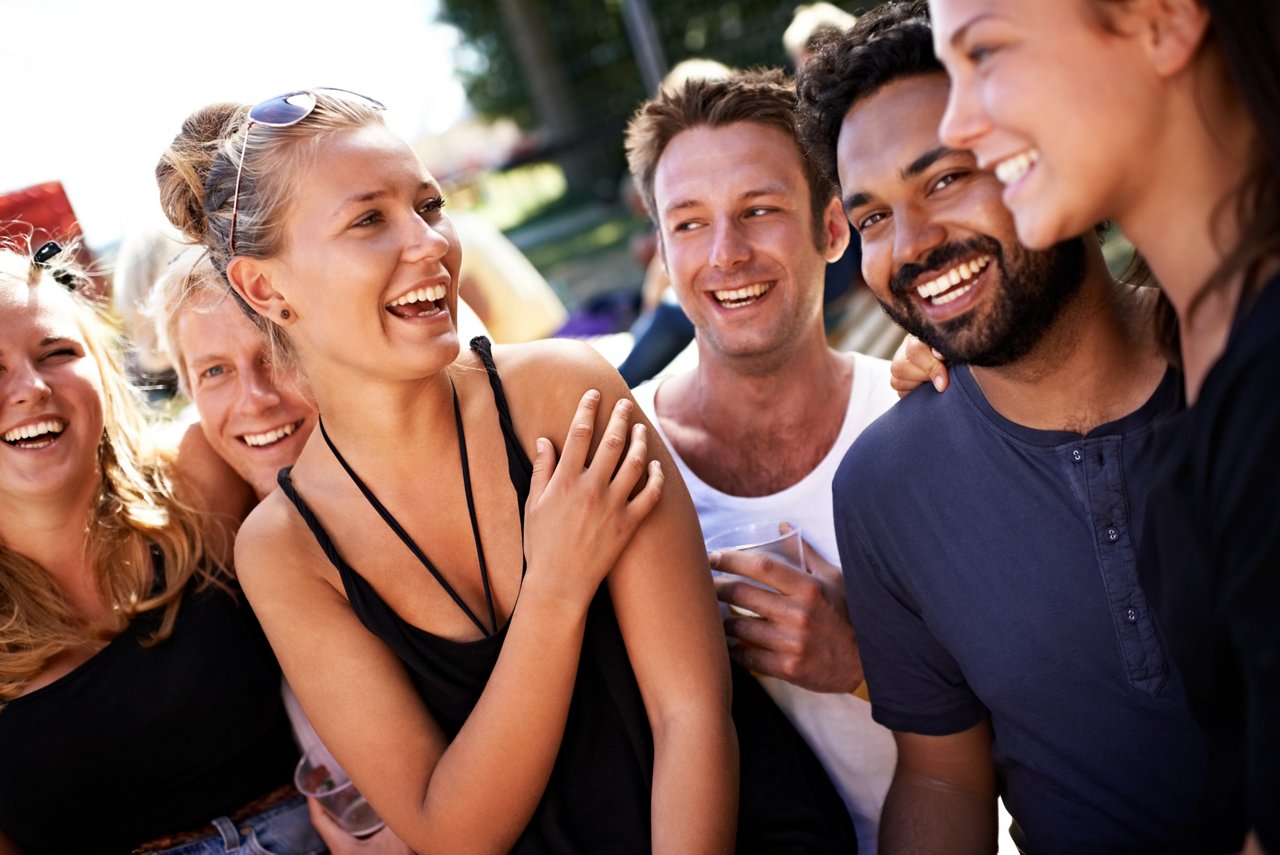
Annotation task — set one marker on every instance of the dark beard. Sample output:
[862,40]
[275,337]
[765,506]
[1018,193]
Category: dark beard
[1036,286]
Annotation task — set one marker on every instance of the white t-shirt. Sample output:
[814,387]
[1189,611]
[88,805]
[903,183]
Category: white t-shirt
[857,753]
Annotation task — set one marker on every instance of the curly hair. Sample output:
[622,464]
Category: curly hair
[888,43]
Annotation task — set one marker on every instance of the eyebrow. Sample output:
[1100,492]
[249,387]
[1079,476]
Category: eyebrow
[373,195]
[966,26]
[911,170]
[766,190]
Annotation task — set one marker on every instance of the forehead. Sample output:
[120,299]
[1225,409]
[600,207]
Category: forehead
[949,16]
[218,328]
[360,160]
[36,312]
[882,134]
[705,163]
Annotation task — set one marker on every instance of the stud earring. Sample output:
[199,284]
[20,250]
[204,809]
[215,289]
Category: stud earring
[285,314]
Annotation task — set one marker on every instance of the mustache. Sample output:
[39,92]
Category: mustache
[902,284]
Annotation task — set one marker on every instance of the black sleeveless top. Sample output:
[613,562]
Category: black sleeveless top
[598,796]
[142,741]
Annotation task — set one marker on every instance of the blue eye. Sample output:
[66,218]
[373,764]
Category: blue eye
[213,371]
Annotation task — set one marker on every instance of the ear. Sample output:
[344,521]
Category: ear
[835,229]
[251,279]
[1175,30]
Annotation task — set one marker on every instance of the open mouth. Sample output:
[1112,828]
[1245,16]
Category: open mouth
[419,303]
[1013,168]
[739,297]
[36,434]
[271,437]
[953,283]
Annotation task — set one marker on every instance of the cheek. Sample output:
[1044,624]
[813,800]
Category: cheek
[877,266]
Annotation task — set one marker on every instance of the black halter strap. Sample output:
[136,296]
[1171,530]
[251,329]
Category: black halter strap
[408,541]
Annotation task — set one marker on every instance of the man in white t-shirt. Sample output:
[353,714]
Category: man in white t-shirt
[747,224]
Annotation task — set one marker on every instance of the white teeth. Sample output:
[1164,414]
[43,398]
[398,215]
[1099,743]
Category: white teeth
[742,296]
[943,299]
[260,439]
[1011,169]
[35,429]
[429,294]
[962,272]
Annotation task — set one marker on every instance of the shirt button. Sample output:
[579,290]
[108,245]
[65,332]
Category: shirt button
[1131,614]
[1113,535]
[1077,455]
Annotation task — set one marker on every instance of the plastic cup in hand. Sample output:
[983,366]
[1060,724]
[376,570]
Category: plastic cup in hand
[318,775]
[758,537]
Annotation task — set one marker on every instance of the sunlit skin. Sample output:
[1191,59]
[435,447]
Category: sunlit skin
[734,212]
[924,210]
[1044,80]
[365,229]
[47,375]
[243,403]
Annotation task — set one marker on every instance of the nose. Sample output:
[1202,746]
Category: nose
[26,385]
[729,246]
[425,240]
[258,390]
[964,121]
[915,234]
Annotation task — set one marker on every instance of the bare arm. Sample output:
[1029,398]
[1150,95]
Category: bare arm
[476,793]
[943,796]
[203,480]
[665,603]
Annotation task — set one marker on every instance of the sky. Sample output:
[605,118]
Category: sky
[94,90]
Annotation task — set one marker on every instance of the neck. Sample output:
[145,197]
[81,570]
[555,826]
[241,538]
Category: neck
[53,532]
[1201,158]
[732,392]
[1097,363]
[375,425]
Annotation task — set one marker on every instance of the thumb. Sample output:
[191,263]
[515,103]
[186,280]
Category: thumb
[544,464]
[938,375]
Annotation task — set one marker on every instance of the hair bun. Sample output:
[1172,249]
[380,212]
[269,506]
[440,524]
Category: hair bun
[184,171]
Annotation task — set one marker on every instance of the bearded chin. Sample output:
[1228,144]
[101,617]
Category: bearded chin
[1035,288]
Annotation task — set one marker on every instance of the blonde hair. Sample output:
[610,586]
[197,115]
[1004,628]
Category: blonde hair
[811,21]
[197,180]
[142,544]
[188,283]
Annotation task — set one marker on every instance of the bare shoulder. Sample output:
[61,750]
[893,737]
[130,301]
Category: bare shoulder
[544,381]
[274,549]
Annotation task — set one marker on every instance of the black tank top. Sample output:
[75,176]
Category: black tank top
[146,740]
[598,796]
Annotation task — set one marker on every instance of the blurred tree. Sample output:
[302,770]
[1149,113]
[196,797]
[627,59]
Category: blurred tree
[565,68]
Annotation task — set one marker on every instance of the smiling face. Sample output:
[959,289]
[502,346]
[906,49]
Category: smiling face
[369,264]
[738,233]
[938,247]
[51,397]
[1063,108]
[256,421]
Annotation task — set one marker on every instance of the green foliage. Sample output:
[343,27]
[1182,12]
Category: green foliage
[590,40]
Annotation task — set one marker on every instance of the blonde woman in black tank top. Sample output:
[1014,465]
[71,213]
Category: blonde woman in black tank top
[496,674]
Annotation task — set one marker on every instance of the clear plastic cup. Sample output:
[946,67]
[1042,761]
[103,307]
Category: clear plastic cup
[318,775]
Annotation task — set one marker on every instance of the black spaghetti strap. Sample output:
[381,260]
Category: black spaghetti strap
[519,467]
[395,526]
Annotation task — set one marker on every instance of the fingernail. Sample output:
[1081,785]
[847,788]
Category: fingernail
[936,355]
[540,444]
[713,558]
[593,394]
[937,383]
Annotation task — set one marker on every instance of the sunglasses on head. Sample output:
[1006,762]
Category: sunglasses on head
[282,111]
